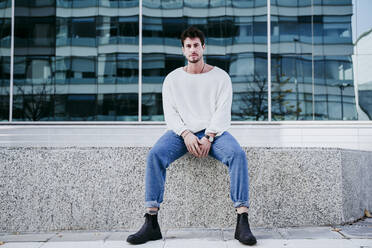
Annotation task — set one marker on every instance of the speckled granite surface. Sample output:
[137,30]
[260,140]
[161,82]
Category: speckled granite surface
[44,189]
[357,183]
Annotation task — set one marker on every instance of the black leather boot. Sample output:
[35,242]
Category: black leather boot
[243,231]
[149,231]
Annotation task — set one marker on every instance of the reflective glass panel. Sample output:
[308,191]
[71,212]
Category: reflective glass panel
[236,41]
[5,33]
[334,88]
[364,75]
[362,59]
[76,61]
[334,93]
[312,68]
[291,60]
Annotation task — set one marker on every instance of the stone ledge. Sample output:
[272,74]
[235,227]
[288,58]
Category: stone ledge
[45,189]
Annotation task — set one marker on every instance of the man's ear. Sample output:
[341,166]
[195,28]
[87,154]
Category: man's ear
[183,50]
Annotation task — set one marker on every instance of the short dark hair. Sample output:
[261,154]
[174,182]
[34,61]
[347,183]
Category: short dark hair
[192,32]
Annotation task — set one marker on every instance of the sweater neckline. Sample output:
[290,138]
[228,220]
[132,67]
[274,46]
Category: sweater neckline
[195,74]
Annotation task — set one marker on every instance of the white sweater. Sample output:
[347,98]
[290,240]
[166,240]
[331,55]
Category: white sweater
[197,101]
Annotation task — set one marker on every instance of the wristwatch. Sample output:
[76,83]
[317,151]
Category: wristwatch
[209,138]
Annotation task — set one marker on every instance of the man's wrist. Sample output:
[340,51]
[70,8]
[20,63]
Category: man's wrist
[204,137]
[185,133]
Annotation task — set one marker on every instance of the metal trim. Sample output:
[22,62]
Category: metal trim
[312,57]
[269,59]
[140,63]
[11,65]
[355,63]
[158,123]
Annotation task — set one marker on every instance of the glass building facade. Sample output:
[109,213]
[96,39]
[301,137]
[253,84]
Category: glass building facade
[105,60]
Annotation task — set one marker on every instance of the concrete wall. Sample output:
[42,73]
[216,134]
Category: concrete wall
[355,135]
[43,189]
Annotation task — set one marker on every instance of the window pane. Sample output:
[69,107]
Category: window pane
[235,41]
[291,60]
[5,32]
[311,61]
[77,61]
[334,89]
[364,74]
[334,93]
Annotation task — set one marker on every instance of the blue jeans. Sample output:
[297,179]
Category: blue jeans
[171,147]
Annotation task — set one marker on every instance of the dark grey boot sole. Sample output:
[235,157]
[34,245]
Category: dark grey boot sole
[140,242]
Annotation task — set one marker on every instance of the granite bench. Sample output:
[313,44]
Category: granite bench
[70,188]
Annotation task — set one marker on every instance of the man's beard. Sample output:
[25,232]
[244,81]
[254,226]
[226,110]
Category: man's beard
[195,61]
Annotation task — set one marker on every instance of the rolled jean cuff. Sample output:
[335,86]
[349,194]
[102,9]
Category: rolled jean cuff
[152,204]
[241,204]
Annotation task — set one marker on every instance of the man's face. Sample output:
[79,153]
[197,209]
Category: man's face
[193,49]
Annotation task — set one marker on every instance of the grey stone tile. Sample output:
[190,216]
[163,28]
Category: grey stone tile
[37,237]
[362,243]
[356,183]
[80,236]
[76,244]
[123,244]
[309,233]
[320,243]
[118,236]
[23,245]
[259,233]
[292,187]
[115,244]
[266,243]
[356,231]
[208,180]
[194,243]
[194,233]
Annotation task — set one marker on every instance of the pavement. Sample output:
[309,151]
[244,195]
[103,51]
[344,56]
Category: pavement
[357,235]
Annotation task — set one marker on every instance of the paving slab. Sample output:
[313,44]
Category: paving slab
[194,233]
[74,244]
[115,244]
[309,233]
[118,236]
[125,244]
[37,237]
[362,243]
[194,243]
[150,244]
[23,245]
[320,243]
[80,236]
[263,243]
[259,233]
[356,231]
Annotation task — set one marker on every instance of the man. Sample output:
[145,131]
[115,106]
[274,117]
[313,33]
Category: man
[197,109]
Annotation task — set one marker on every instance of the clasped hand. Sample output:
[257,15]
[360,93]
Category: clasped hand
[197,147]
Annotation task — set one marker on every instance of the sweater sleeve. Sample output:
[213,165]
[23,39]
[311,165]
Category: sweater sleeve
[221,118]
[171,115]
